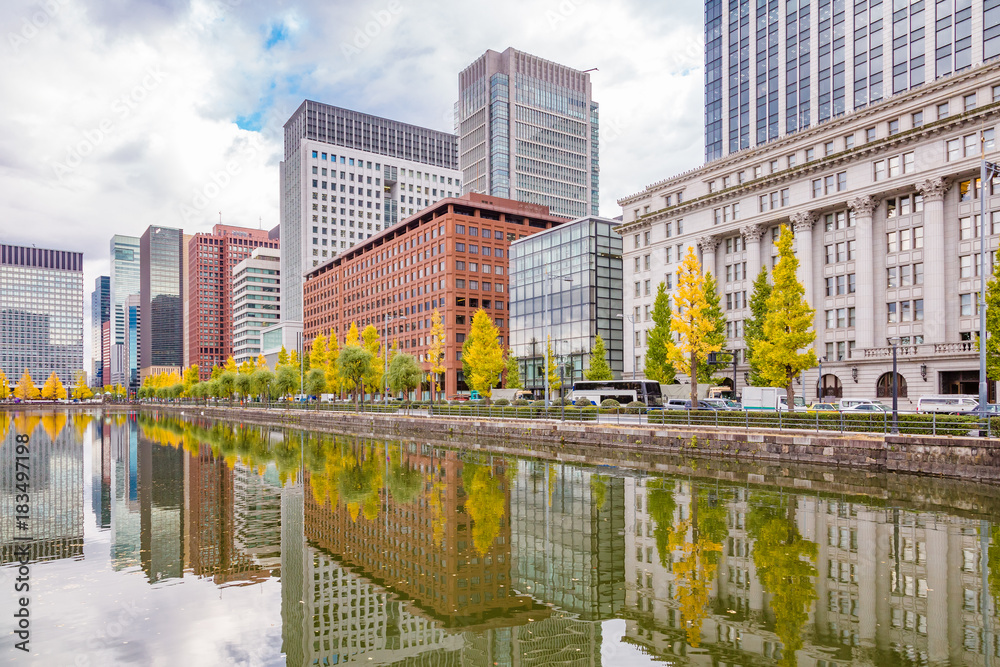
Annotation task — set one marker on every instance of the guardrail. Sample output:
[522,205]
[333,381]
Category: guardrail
[832,422]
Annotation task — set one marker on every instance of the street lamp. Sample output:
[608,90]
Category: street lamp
[819,385]
[987,171]
[894,341]
[546,305]
[631,319]
[385,374]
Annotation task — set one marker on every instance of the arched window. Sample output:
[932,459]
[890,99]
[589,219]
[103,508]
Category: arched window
[831,388]
[883,388]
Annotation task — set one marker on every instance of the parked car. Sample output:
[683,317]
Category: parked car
[867,407]
[991,409]
[722,403]
[459,397]
[822,407]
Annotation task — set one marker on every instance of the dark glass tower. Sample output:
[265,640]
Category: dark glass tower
[161,285]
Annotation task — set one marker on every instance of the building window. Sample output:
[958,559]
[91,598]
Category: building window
[942,111]
[918,119]
[969,101]
[848,142]
[870,135]
[893,127]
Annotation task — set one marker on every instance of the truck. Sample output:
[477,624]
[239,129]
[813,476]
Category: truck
[669,391]
[510,394]
[768,398]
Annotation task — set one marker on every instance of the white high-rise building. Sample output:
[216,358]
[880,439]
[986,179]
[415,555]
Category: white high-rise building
[256,301]
[348,175]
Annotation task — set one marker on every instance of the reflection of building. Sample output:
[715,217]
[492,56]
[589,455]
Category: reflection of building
[161,287]
[567,528]
[126,524]
[578,268]
[890,584]
[161,510]
[101,474]
[41,313]
[55,470]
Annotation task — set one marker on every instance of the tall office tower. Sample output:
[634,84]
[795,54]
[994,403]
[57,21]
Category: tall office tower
[774,68]
[124,281]
[211,258]
[130,351]
[347,176]
[161,290]
[539,146]
[41,313]
[255,300]
[100,312]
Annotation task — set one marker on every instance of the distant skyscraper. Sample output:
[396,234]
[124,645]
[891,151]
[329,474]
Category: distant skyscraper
[348,175]
[100,312]
[130,351]
[41,313]
[124,281]
[772,69]
[161,289]
[211,259]
[528,131]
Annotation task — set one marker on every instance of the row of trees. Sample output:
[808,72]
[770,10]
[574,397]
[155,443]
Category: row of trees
[779,335]
[52,390]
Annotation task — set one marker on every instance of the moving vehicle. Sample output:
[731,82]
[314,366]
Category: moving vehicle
[681,404]
[947,403]
[510,394]
[623,391]
[866,407]
[991,410]
[848,403]
[720,392]
[684,390]
[823,407]
[722,404]
[768,398]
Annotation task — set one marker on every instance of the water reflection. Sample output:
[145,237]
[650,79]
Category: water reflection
[399,552]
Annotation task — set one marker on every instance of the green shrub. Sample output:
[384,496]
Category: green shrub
[538,404]
[610,403]
[583,403]
[501,402]
[520,401]
[635,408]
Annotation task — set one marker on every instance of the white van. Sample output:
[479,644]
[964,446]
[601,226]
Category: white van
[947,403]
[846,403]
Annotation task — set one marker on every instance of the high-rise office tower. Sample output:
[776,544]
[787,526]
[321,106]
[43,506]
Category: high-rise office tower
[528,131]
[348,175]
[130,350]
[256,301]
[41,313]
[100,312]
[211,258]
[161,290]
[772,68]
[124,281]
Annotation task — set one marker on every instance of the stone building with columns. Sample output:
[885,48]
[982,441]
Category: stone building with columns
[884,204]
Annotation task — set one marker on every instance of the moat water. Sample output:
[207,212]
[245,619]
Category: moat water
[191,542]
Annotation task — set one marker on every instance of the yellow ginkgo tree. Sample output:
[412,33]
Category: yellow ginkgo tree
[692,323]
[785,349]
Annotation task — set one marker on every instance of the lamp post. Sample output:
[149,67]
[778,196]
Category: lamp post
[385,374]
[631,319]
[987,171]
[546,321]
[893,340]
[819,384]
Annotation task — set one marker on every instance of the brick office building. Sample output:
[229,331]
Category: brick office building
[211,259]
[451,256]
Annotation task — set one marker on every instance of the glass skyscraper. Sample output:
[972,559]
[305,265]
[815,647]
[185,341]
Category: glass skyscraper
[578,267]
[528,131]
[772,67]
[125,263]
[100,312]
[41,313]
[161,289]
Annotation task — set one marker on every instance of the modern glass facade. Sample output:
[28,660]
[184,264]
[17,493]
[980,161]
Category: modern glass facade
[161,285]
[125,265]
[548,124]
[133,308]
[588,252]
[100,312]
[41,313]
[813,60]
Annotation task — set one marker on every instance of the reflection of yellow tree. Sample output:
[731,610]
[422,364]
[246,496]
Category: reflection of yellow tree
[553,476]
[4,427]
[784,562]
[80,423]
[485,504]
[54,423]
[436,502]
[598,491]
[994,565]
[693,572]
[26,423]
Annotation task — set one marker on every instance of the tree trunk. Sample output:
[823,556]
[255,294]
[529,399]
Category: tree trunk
[694,381]
[790,390]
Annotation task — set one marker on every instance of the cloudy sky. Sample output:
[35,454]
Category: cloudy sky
[119,114]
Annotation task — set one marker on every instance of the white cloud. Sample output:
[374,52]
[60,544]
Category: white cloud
[119,115]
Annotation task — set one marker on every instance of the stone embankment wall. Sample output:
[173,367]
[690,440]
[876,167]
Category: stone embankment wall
[969,459]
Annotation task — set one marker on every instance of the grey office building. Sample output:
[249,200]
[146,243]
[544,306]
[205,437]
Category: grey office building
[772,68]
[161,290]
[528,131]
[125,265]
[348,175]
[100,312]
[578,268]
[41,313]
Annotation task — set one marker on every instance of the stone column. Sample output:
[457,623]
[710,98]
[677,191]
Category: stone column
[863,210]
[751,237]
[709,244]
[933,190]
[803,223]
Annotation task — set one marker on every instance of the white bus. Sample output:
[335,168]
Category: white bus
[623,391]
[947,403]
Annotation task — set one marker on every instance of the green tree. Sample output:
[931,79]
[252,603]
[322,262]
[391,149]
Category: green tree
[717,336]
[333,381]
[353,365]
[695,330]
[227,384]
[658,366]
[753,326]
[315,381]
[191,377]
[286,381]
[283,357]
[599,368]
[260,383]
[512,378]
[482,354]
[788,325]
[241,384]
[435,354]
[404,374]
[992,325]
[555,384]
[370,341]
